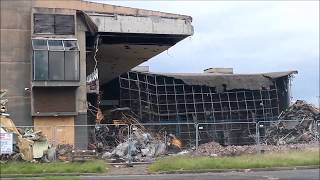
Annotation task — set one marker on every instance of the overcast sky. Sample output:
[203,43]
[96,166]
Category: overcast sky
[249,36]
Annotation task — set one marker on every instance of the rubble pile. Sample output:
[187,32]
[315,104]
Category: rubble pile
[284,132]
[300,110]
[301,129]
[215,149]
[64,152]
[108,137]
[28,145]
[143,147]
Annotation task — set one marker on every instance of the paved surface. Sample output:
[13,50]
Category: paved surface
[307,174]
[123,170]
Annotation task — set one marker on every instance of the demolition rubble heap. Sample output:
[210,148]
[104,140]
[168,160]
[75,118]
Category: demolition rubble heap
[296,129]
[143,147]
[113,143]
[301,110]
[298,124]
[28,145]
[215,149]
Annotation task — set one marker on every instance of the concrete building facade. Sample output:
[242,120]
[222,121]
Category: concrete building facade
[51,50]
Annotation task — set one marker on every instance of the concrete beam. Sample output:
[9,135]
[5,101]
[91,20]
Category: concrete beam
[142,24]
[103,8]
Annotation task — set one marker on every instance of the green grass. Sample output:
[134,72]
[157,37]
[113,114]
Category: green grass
[284,159]
[54,167]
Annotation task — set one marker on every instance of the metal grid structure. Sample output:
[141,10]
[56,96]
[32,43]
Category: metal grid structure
[158,98]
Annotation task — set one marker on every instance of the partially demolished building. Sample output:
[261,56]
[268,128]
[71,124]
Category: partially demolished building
[51,50]
[215,96]
[62,59]
[205,97]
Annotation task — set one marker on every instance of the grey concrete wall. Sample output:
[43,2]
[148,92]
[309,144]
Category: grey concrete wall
[16,57]
[82,89]
[81,131]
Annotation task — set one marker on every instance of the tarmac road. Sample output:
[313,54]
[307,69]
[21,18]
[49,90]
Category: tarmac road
[306,174]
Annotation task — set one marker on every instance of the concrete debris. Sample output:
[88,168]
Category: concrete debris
[28,145]
[183,152]
[300,110]
[64,152]
[215,149]
[106,155]
[108,137]
[302,129]
[283,132]
[142,147]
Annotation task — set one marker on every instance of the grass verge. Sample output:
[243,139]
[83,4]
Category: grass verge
[96,166]
[284,159]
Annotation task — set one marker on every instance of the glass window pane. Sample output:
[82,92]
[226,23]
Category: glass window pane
[39,44]
[56,65]
[72,65]
[70,45]
[55,45]
[40,64]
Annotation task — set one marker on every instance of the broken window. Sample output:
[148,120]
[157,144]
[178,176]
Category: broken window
[54,24]
[55,59]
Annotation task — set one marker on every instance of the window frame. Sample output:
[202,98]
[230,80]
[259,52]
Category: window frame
[54,25]
[64,50]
